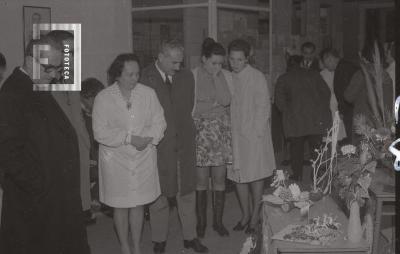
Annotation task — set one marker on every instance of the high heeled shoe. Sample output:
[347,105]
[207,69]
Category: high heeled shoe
[251,228]
[240,227]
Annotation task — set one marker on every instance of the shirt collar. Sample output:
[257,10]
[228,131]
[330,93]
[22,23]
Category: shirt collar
[24,71]
[163,74]
[85,110]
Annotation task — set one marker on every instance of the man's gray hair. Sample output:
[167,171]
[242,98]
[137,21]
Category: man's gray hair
[168,45]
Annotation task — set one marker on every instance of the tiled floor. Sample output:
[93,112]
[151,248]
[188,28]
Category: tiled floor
[103,240]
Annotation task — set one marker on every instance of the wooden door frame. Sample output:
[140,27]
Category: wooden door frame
[363,7]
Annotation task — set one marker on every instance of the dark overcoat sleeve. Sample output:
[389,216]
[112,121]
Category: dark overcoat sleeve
[15,161]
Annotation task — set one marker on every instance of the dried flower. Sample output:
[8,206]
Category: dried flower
[295,190]
[348,150]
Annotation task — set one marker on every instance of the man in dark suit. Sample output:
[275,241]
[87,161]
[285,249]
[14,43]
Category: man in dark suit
[310,61]
[176,151]
[70,103]
[39,156]
[343,74]
[303,98]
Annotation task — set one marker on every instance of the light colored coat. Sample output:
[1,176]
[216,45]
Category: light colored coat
[127,177]
[253,153]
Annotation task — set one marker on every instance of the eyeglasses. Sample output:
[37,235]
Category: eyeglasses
[50,68]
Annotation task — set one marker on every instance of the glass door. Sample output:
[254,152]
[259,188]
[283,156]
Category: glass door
[191,21]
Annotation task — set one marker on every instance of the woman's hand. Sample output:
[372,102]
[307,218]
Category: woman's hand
[140,143]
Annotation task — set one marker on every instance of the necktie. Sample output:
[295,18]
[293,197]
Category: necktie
[168,82]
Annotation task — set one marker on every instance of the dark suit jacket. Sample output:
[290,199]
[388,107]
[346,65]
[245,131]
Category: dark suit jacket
[343,73]
[39,156]
[178,144]
[314,65]
[303,98]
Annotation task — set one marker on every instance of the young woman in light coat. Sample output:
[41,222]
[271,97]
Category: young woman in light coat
[253,154]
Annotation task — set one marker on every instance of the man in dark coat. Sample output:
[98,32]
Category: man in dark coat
[176,151]
[310,60]
[303,98]
[42,211]
[343,73]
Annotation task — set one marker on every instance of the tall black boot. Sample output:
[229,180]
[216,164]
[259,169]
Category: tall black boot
[219,202]
[201,211]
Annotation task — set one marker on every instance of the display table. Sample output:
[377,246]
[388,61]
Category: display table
[383,191]
[274,220]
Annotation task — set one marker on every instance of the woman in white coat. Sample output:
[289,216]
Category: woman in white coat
[253,154]
[128,122]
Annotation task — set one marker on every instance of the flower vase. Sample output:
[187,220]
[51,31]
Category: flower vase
[364,157]
[354,229]
[316,195]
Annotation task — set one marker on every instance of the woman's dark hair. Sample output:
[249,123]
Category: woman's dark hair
[210,47]
[3,62]
[368,51]
[329,52]
[240,45]
[115,69]
[90,87]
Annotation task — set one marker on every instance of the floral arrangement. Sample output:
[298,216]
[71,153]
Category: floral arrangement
[377,130]
[354,174]
[321,230]
[376,140]
[285,194]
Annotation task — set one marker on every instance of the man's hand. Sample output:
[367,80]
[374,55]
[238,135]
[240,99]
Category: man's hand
[140,143]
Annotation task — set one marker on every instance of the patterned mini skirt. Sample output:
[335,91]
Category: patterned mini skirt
[213,141]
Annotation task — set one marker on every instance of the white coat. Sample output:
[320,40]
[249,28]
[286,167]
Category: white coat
[127,177]
[253,153]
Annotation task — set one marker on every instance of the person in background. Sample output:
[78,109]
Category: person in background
[310,61]
[253,153]
[330,59]
[343,73]
[42,207]
[213,137]
[177,151]
[357,92]
[70,103]
[90,87]
[303,98]
[128,123]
